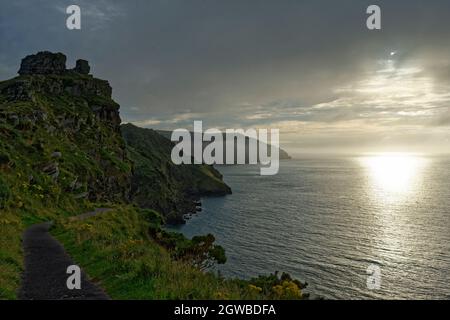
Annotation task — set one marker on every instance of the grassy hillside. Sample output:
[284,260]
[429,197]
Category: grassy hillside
[130,264]
[159,184]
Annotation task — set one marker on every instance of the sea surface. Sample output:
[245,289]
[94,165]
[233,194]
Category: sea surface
[326,220]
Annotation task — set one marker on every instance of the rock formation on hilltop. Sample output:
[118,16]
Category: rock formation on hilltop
[45,73]
[63,124]
[82,67]
[46,62]
[43,63]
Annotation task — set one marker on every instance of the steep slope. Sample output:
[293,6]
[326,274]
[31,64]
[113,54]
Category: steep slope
[159,184]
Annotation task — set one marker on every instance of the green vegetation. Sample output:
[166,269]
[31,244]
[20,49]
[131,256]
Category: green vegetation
[117,250]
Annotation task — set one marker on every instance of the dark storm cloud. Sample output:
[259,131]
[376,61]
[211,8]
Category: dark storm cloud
[236,61]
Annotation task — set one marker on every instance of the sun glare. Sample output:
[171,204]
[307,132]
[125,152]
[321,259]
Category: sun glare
[393,173]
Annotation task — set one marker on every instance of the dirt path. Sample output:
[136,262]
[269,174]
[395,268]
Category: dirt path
[46,264]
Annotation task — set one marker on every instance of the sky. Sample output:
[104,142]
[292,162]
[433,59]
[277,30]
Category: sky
[309,68]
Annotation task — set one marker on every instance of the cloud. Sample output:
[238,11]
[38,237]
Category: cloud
[145,123]
[442,119]
[236,63]
[98,14]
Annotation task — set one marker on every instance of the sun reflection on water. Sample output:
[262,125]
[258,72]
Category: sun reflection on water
[394,188]
[393,176]
[394,172]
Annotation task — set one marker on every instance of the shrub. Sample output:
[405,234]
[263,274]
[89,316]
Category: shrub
[199,252]
[279,287]
[4,159]
[153,217]
[202,253]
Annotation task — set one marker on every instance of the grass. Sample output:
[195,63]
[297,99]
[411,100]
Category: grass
[11,263]
[116,251]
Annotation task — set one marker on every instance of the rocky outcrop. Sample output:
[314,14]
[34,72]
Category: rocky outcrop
[45,74]
[46,62]
[43,63]
[82,67]
[24,88]
[52,170]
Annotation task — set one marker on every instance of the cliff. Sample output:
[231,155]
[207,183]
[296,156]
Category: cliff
[159,184]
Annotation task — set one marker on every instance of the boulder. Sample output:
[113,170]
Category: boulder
[82,67]
[52,170]
[56,154]
[43,63]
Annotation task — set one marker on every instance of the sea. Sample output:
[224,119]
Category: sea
[372,226]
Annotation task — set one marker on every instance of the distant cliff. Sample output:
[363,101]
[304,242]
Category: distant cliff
[283,154]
